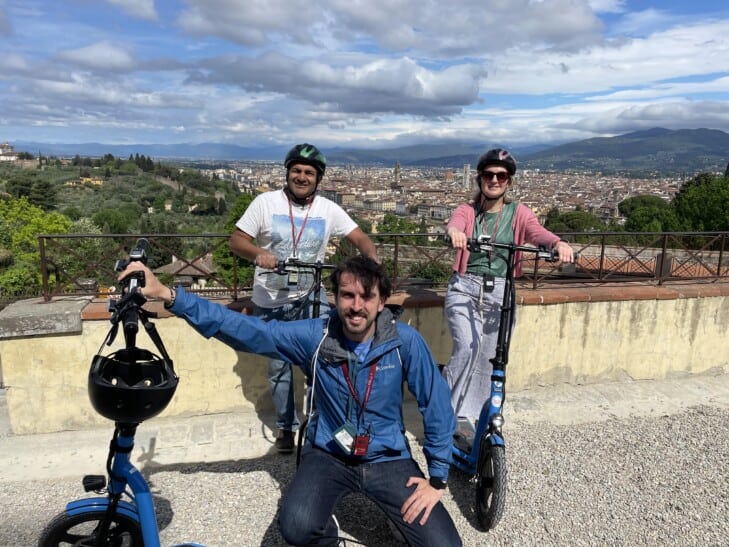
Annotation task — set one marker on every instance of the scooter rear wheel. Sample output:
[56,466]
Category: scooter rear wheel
[81,531]
[491,485]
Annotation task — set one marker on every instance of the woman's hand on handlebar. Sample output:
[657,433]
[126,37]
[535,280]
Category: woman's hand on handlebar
[458,238]
[153,288]
[564,252]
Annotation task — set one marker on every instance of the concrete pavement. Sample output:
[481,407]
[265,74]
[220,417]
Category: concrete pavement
[219,437]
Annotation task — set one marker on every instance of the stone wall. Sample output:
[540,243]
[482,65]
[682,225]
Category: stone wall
[573,335]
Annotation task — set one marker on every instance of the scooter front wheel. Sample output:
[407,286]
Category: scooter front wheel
[491,485]
[81,530]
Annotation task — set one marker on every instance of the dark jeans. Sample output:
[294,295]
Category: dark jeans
[280,374]
[322,480]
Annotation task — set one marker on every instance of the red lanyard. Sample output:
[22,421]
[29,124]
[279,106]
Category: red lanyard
[296,238]
[368,390]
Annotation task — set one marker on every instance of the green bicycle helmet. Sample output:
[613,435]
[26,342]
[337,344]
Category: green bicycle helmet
[307,154]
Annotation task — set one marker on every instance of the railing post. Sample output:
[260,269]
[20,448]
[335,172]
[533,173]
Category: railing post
[602,257]
[44,268]
[659,273]
[236,262]
[395,269]
[721,254]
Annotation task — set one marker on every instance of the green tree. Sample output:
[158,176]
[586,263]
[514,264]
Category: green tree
[652,219]
[573,221]
[222,255]
[364,224]
[20,224]
[87,256]
[438,272]
[39,191]
[393,224]
[627,206]
[165,248]
[128,168]
[648,213]
[113,221]
[20,185]
[72,212]
[702,204]
[43,194]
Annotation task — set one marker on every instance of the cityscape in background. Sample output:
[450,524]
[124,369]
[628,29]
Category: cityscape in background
[430,194]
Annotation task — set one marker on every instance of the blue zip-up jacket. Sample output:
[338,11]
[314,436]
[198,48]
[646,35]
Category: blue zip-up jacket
[398,351]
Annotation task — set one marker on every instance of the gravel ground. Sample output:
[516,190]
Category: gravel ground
[634,481]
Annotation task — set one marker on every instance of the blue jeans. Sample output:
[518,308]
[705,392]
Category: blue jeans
[322,480]
[280,373]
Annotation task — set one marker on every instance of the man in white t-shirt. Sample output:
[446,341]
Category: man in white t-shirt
[292,222]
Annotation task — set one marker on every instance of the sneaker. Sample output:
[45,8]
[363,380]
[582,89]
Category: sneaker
[340,541]
[285,442]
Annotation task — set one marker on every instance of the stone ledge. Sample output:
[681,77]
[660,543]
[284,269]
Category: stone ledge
[618,292]
[36,317]
[526,296]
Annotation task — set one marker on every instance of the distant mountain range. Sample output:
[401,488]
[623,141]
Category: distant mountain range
[655,150]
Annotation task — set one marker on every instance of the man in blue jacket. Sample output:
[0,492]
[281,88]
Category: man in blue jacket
[357,359]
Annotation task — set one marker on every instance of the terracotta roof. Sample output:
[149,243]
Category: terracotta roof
[203,266]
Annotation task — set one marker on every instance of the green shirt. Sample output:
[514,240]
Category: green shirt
[499,226]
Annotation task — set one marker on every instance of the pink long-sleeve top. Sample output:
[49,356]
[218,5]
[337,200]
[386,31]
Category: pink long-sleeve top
[525,225]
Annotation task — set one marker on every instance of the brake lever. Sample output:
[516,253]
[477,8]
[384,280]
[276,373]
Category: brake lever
[482,244]
[282,265]
[548,255]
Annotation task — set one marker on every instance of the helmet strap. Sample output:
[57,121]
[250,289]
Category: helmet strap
[486,201]
[306,200]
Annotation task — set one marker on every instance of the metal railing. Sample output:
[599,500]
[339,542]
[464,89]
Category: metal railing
[75,264]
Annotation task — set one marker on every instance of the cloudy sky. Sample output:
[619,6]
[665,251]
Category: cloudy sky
[359,72]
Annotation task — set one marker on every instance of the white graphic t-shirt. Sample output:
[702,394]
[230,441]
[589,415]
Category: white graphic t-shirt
[268,220]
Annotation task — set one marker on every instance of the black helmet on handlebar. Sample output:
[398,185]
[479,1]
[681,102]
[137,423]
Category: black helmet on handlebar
[307,154]
[497,156]
[131,385]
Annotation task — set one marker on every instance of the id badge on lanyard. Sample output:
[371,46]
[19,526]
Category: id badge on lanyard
[346,436]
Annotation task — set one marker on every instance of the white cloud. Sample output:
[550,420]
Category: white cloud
[351,84]
[12,64]
[362,71]
[674,53]
[608,6]
[143,9]
[251,22]
[101,56]
[461,27]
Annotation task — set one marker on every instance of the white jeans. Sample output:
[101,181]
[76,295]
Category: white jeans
[473,319]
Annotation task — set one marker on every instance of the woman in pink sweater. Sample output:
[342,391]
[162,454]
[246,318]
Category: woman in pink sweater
[472,311]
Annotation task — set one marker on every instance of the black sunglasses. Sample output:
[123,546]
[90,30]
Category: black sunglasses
[501,176]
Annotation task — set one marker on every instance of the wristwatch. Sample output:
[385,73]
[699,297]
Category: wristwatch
[173,296]
[438,484]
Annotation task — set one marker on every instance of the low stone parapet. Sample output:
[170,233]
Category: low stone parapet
[564,334]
